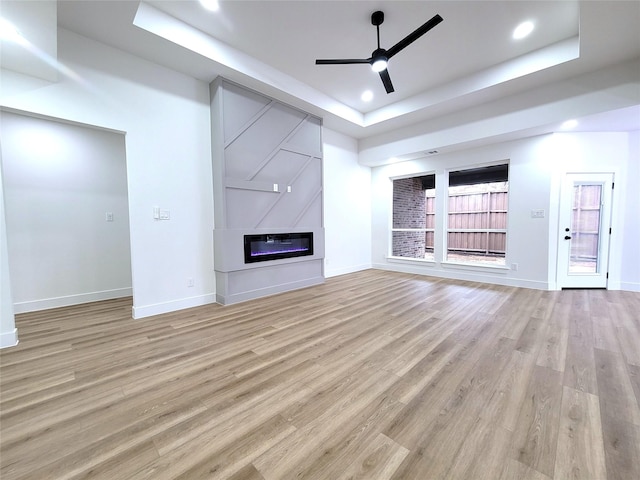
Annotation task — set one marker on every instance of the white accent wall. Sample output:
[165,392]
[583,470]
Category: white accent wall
[267,179]
[67,213]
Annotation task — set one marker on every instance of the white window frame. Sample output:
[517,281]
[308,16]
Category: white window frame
[446,230]
[418,230]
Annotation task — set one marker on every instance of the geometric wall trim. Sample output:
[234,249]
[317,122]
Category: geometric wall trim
[267,174]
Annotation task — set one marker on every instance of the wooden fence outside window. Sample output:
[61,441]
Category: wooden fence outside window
[477,222]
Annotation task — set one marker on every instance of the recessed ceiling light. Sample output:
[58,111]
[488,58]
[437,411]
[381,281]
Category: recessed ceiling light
[367,96]
[522,30]
[569,124]
[211,5]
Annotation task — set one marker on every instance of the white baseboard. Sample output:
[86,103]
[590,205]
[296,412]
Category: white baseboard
[334,272]
[9,339]
[465,275]
[47,303]
[630,286]
[142,311]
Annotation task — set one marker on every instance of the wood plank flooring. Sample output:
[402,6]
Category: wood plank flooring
[373,375]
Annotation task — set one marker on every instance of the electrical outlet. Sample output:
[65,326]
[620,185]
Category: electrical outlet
[165,215]
[514,267]
[190,282]
[108,216]
[537,213]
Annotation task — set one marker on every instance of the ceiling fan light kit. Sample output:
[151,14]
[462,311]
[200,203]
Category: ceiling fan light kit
[378,62]
[380,57]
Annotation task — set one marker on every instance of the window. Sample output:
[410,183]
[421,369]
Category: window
[412,233]
[477,215]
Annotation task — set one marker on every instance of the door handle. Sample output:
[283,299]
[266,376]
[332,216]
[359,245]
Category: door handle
[567,237]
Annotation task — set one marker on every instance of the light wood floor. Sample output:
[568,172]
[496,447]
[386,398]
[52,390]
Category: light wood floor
[374,375]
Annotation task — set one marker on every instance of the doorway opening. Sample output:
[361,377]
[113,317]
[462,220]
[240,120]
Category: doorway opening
[67,212]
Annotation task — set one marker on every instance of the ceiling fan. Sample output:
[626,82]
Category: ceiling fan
[379,58]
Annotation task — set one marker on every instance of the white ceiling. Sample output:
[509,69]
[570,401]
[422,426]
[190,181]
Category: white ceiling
[291,35]
[467,60]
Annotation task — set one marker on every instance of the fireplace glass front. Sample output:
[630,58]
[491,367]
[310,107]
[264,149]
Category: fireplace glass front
[274,246]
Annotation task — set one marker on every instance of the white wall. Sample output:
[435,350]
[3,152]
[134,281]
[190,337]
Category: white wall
[347,206]
[536,166]
[8,333]
[60,180]
[165,115]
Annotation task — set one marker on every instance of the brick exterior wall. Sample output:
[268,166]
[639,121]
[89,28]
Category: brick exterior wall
[409,211]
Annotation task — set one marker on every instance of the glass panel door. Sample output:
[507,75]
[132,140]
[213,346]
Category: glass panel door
[583,243]
[585,228]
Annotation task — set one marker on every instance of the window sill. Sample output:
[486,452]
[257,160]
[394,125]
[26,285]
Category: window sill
[470,266]
[411,260]
[502,269]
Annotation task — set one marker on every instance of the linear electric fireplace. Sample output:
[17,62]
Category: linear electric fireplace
[274,246]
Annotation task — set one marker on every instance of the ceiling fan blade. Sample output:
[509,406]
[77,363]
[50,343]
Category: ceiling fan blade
[413,36]
[386,80]
[342,61]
